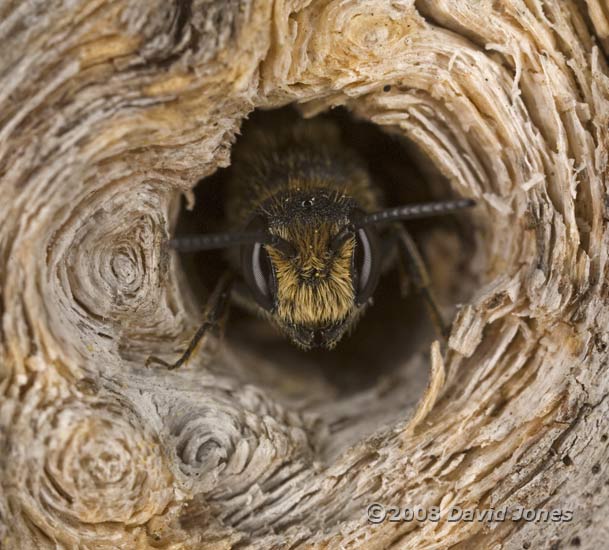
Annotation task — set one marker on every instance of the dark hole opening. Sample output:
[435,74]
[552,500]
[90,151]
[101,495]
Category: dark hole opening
[394,327]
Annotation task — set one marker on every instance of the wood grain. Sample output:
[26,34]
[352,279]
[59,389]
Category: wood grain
[111,110]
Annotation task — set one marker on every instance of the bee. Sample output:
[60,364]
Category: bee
[309,236]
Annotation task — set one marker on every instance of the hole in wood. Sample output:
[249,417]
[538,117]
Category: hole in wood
[388,348]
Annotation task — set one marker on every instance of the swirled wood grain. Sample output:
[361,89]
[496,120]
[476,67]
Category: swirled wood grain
[111,110]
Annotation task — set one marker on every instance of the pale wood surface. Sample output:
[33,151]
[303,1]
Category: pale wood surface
[110,109]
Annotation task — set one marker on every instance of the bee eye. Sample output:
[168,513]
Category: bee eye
[366,264]
[258,271]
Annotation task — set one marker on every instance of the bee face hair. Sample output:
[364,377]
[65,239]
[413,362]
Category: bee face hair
[315,298]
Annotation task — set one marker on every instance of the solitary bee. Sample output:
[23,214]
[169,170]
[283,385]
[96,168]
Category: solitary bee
[309,236]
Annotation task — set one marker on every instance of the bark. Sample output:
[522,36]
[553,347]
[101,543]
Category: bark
[111,110]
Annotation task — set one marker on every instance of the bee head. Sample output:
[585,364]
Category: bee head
[314,277]
[312,263]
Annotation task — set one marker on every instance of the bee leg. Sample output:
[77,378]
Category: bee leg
[216,311]
[412,263]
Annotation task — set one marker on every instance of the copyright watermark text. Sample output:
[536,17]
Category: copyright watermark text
[378,513]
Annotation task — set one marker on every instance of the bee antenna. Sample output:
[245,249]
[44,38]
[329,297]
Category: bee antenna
[211,241]
[285,247]
[412,211]
[341,238]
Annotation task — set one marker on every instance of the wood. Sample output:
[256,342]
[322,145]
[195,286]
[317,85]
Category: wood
[111,110]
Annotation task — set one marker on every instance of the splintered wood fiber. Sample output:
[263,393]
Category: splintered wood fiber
[111,111]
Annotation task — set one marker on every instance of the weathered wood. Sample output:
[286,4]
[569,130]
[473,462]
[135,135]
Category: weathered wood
[111,110]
